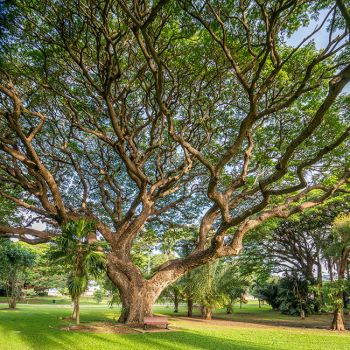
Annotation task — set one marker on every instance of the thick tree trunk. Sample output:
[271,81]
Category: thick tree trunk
[189,307]
[137,294]
[338,320]
[136,306]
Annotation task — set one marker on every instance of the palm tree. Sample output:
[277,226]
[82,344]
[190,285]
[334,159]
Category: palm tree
[234,284]
[218,284]
[207,289]
[78,251]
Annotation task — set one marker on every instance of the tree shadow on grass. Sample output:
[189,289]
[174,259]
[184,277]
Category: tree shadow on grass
[38,330]
[52,340]
[32,330]
[321,321]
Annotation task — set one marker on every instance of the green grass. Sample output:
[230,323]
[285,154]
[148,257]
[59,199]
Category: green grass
[62,300]
[35,327]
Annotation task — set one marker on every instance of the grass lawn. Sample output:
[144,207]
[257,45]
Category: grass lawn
[36,327]
[62,300]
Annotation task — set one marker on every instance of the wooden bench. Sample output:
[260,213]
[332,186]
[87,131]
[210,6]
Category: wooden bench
[155,320]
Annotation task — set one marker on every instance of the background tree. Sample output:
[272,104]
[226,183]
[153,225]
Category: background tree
[187,286]
[15,260]
[43,275]
[268,291]
[215,285]
[298,249]
[207,291]
[174,293]
[99,294]
[341,250]
[235,285]
[176,112]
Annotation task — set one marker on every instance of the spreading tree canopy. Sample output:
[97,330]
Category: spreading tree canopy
[161,114]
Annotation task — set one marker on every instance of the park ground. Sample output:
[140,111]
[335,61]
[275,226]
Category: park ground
[39,325]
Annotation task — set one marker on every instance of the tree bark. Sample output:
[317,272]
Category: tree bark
[176,301]
[189,307]
[139,294]
[12,293]
[330,269]
[73,317]
[338,320]
[12,302]
[77,310]
[320,282]
[136,293]
[207,313]
[136,306]
[74,313]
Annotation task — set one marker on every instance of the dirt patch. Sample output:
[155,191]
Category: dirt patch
[100,327]
[249,321]
[33,301]
[155,329]
[111,328]
[318,321]
[216,322]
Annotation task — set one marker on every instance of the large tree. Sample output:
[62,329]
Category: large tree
[157,113]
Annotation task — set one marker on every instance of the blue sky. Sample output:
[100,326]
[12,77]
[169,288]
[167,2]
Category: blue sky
[320,38]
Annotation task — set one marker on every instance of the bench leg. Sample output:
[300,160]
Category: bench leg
[166,326]
[144,327]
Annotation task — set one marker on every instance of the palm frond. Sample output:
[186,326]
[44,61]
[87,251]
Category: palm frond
[77,285]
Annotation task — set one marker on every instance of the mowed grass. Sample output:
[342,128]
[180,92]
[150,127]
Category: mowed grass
[62,300]
[36,327]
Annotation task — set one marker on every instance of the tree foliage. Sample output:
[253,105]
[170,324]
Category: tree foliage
[340,249]
[15,260]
